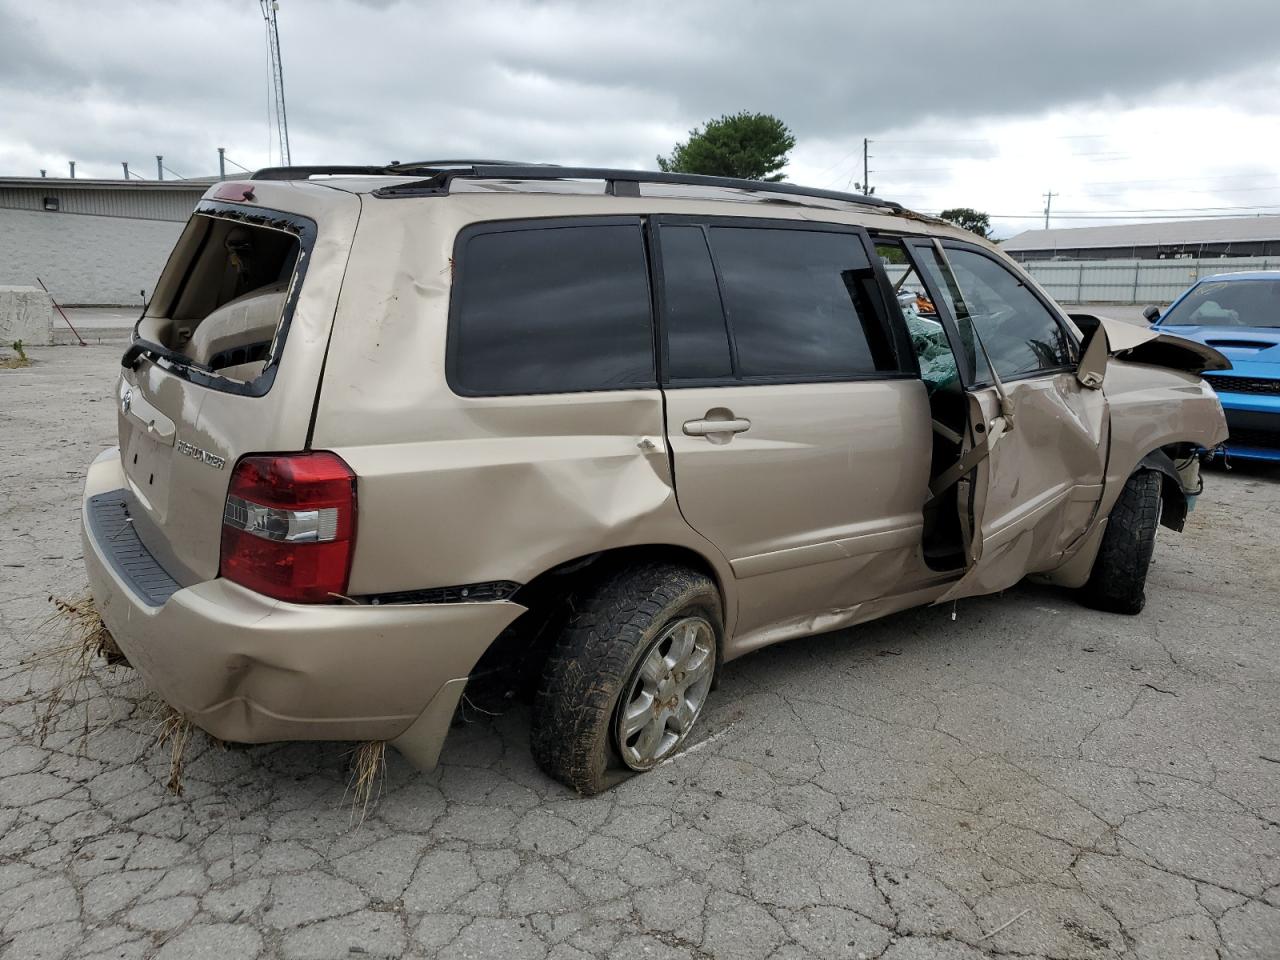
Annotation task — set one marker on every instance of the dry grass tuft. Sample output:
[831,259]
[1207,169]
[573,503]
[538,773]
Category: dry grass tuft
[82,639]
[174,731]
[368,772]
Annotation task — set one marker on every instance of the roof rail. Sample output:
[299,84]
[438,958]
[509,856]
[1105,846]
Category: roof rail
[393,169]
[434,166]
[301,173]
[619,183]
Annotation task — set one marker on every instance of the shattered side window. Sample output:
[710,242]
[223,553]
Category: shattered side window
[938,366]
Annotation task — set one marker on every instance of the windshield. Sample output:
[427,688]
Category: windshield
[1228,303]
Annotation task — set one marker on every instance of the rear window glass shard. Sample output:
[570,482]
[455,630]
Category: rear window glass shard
[551,309]
[801,303]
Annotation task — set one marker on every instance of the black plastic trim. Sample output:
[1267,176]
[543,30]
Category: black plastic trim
[1173,506]
[107,516]
[301,173]
[491,591]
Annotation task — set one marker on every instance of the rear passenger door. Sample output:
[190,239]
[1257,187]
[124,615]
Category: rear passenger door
[799,428]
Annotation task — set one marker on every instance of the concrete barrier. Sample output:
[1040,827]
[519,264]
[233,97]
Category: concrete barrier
[26,314]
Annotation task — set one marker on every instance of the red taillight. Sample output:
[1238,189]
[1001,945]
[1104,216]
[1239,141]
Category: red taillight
[289,526]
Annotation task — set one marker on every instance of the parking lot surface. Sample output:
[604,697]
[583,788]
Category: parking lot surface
[1025,778]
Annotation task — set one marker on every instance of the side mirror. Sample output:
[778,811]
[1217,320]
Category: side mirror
[1092,368]
[1152,313]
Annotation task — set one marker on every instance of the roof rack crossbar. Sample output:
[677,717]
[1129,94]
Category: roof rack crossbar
[617,182]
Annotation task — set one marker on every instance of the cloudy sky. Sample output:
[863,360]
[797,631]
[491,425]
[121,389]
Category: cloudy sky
[1126,110]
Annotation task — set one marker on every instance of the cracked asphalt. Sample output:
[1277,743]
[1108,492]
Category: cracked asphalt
[1030,779]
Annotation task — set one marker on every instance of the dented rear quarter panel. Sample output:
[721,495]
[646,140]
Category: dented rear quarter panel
[461,489]
[453,489]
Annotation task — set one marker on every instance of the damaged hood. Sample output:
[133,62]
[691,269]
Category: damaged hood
[1237,344]
[1128,341]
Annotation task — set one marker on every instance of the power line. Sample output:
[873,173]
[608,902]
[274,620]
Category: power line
[1125,193]
[1071,136]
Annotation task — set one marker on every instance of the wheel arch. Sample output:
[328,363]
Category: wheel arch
[515,657]
[1173,498]
[1175,504]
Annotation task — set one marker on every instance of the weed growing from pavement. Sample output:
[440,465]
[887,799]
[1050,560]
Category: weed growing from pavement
[20,359]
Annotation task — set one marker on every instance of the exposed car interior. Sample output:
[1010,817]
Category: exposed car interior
[229,305]
[943,533]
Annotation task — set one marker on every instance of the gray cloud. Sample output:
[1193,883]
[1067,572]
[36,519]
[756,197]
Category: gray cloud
[574,82]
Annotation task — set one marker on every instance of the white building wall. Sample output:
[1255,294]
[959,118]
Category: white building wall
[85,260]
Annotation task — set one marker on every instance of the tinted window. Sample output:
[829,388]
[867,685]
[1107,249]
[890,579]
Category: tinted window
[1019,334]
[697,343]
[552,310]
[800,303]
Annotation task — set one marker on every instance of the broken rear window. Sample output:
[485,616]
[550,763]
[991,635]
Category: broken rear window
[222,304]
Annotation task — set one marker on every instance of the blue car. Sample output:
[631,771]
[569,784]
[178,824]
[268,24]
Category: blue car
[1239,315]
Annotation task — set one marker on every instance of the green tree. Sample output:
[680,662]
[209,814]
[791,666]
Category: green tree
[975,221]
[751,146]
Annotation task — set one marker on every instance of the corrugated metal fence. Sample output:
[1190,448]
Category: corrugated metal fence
[1133,281]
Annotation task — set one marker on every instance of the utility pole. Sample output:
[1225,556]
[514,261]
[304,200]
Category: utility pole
[159,166]
[222,163]
[864,186]
[1048,203]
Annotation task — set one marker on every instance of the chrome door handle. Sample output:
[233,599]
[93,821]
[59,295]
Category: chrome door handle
[705,428]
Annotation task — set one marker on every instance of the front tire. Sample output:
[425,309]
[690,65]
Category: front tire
[626,680]
[1118,580]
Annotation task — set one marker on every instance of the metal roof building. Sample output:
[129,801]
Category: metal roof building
[1166,239]
[136,199]
[99,242]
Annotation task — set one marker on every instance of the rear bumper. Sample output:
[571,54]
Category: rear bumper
[250,669]
[1254,425]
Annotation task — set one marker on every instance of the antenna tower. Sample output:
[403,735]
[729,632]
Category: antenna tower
[280,116]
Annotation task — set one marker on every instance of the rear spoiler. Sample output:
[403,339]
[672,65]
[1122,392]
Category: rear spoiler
[1128,341]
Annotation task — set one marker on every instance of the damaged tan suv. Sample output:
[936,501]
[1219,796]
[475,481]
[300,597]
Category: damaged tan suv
[386,433]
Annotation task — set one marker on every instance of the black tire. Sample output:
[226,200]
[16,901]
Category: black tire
[615,620]
[1119,576]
